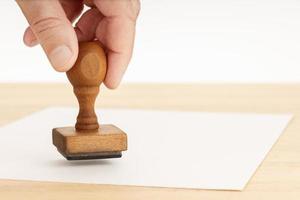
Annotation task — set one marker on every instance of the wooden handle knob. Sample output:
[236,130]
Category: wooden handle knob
[86,77]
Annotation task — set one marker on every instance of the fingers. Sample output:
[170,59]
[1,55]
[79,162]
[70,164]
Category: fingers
[72,10]
[116,31]
[117,35]
[29,38]
[86,26]
[49,24]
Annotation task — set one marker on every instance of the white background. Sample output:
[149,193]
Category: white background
[183,41]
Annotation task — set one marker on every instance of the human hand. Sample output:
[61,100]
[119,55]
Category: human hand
[112,22]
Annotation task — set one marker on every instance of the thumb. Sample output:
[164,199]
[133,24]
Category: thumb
[53,31]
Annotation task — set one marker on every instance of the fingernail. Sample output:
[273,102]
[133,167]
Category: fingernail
[59,57]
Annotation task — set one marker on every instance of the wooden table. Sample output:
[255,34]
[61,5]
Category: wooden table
[277,178]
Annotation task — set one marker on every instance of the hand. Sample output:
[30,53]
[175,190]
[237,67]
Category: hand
[112,22]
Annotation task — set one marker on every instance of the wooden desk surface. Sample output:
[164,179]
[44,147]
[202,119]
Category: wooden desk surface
[277,178]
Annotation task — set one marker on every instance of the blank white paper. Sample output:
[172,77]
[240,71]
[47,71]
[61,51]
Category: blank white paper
[165,148]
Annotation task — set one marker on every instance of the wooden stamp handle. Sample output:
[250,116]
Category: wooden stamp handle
[86,77]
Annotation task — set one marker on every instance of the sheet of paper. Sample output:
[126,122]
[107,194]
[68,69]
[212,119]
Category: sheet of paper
[166,149]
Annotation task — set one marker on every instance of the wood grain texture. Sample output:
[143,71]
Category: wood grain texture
[277,178]
[86,76]
[108,138]
[87,138]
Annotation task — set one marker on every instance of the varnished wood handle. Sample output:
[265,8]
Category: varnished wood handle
[86,77]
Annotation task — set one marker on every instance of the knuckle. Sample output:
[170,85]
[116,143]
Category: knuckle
[44,25]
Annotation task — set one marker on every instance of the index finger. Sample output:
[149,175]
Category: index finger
[116,31]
